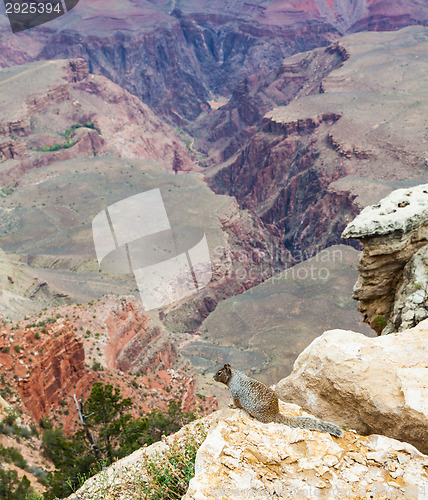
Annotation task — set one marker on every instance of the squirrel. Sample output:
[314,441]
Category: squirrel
[261,402]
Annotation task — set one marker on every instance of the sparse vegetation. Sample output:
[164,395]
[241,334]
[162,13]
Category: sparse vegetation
[6,191]
[68,137]
[13,455]
[113,430]
[11,416]
[169,474]
[380,321]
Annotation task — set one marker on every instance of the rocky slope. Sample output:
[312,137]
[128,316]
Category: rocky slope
[63,112]
[177,55]
[392,284]
[243,458]
[316,161]
[46,359]
[271,461]
[47,234]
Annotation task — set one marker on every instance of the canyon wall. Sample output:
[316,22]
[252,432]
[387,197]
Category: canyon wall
[178,56]
[312,164]
[392,285]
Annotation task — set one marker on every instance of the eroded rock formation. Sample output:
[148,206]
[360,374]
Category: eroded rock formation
[335,144]
[61,352]
[60,369]
[374,385]
[54,97]
[244,458]
[392,285]
[176,55]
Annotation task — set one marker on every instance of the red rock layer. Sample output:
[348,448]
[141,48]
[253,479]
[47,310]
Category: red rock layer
[60,371]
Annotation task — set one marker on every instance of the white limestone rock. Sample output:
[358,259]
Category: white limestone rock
[374,385]
[392,233]
[246,459]
[403,210]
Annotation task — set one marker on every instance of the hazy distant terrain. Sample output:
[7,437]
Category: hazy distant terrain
[280,317]
[176,55]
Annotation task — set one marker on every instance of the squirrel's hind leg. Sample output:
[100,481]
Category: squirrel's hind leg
[235,403]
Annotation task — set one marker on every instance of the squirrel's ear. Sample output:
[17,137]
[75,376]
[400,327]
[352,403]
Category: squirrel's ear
[227,366]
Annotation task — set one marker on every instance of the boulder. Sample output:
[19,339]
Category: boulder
[243,458]
[374,385]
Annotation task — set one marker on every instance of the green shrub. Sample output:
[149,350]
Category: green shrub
[11,416]
[67,136]
[11,488]
[97,366]
[380,321]
[169,474]
[13,455]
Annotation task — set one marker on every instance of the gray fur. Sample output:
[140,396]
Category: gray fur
[261,402]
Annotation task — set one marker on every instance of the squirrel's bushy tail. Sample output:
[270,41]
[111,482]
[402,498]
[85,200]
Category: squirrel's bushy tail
[312,424]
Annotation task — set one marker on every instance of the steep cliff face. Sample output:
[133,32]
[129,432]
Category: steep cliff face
[172,59]
[59,371]
[315,162]
[177,55]
[222,133]
[47,359]
[392,285]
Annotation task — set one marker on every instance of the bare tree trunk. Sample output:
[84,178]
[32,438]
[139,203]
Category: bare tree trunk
[91,438]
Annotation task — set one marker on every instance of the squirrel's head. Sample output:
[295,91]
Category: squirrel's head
[224,375]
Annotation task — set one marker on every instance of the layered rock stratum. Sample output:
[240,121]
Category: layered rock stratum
[47,359]
[392,284]
[44,100]
[351,130]
[178,55]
